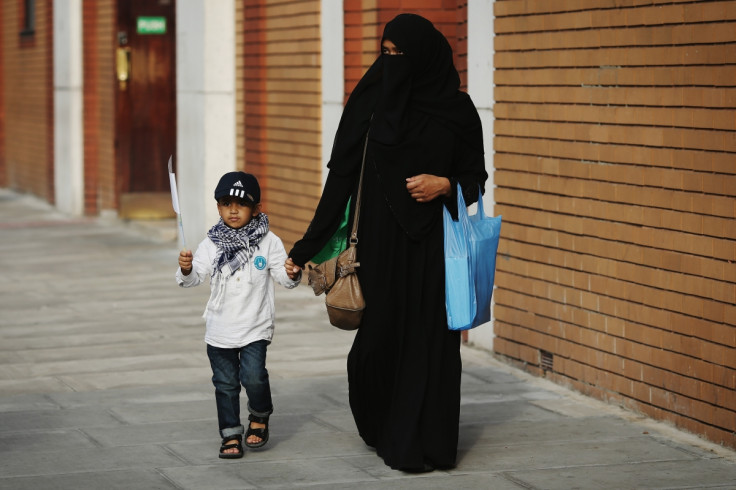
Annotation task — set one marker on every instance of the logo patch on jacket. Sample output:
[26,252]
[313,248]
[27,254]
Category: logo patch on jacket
[260,262]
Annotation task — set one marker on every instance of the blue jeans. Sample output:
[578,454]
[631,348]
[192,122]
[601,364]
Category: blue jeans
[230,368]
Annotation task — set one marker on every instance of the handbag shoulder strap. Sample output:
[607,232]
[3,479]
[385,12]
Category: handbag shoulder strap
[356,215]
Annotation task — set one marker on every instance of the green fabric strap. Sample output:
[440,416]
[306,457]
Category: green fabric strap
[337,243]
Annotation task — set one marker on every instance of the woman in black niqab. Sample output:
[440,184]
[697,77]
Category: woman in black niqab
[425,139]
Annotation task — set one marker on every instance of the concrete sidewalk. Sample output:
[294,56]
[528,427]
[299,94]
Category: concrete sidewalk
[104,383]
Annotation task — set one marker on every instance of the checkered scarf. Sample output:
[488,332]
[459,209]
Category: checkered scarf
[236,247]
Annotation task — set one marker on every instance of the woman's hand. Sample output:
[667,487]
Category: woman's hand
[426,187]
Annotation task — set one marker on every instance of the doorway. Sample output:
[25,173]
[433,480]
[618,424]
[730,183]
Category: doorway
[145,106]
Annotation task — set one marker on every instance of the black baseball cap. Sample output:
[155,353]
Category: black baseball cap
[240,185]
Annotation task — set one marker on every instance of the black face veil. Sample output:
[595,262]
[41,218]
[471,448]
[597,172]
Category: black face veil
[422,80]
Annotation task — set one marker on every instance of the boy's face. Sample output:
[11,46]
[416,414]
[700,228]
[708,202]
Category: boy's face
[236,212]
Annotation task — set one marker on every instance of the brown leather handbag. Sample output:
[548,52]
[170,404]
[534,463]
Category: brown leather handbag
[337,277]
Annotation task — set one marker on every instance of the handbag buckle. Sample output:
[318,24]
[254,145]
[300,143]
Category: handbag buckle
[347,269]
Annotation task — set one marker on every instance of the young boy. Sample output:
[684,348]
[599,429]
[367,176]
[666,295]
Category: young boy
[242,258]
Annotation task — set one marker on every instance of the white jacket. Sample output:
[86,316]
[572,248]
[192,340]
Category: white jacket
[246,312]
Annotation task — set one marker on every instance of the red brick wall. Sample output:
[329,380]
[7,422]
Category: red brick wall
[3,176]
[362,35]
[254,88]
[460,48]
[614,153]
[99,105]
[283,108]
[28,101]
[240,73]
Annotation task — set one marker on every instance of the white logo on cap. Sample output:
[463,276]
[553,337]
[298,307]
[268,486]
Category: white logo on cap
[238,184]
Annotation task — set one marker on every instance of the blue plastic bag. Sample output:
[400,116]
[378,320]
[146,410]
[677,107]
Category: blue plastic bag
[459,288]
[484,235]
[471,244]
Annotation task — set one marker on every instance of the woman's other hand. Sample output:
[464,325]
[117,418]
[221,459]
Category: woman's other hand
[426,187]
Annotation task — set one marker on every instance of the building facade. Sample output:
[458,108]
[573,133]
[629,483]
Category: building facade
[615,138]
[610,135]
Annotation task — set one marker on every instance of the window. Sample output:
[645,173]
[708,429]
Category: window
[29,18]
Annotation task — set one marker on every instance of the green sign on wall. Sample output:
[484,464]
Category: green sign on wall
[151,25]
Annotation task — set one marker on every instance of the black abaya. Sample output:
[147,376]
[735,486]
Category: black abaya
[404,366]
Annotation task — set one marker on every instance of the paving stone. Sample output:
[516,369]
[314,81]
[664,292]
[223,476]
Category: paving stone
[335,385]
[35,420]
[132,362]
[659,475]
[48,440]
[341,421]
[160,434]
[109,480]
[166,412]
[10,387]
[435,481]
[27,402]
[564,429]
[74,353]
[124,379]
[487,375]
[74,460]
[89,340]
[269,474]
[501,412]
[201,477]
[104,383]
[561,454]
[307,403]
[317,367]
[282,446]
[566,406]
[138,395]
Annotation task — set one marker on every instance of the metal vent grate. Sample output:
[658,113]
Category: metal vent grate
[546,360]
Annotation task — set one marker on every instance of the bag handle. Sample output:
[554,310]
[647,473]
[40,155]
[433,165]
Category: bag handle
[356,214]
[462,209]
[481,212]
